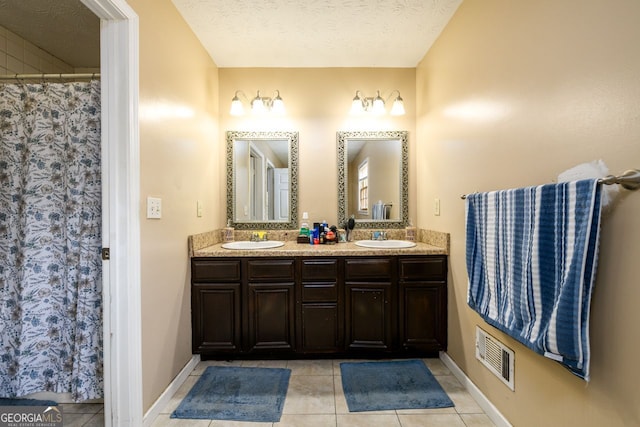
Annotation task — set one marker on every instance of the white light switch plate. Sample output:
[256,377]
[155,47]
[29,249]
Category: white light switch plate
[436,207]
[154,207]
[199,208]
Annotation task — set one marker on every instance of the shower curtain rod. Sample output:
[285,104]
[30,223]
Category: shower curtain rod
[53,76]
[629,180]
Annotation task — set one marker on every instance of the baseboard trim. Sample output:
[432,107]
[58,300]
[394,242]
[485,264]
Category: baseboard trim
[168,393]
[492,412]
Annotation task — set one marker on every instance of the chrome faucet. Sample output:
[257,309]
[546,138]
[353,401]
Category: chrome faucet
[379,235]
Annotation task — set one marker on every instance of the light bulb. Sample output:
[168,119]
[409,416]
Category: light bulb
[236,107]
[257,106]
[378,105]
[397,109]
[278,105]
[357,106]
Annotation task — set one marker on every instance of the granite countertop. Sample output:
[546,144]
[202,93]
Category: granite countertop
[291,248]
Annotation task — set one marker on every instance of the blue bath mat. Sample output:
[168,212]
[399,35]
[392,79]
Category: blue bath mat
[238,394]
[377,386]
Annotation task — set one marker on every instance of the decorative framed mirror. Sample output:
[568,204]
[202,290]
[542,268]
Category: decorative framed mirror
[262,180]
[373,178]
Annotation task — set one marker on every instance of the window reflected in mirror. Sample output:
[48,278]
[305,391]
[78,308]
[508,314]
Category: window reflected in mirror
[373,178]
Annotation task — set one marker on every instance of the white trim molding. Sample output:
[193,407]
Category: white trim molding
[172,388]
[492,412]
[121,218]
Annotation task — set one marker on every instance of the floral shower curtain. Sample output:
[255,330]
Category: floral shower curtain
[50,240]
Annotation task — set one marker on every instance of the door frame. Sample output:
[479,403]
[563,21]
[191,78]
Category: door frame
[120,211]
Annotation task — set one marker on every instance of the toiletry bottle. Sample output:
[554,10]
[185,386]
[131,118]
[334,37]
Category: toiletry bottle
[304,227]
[313,233]
[227,233]
[410,232]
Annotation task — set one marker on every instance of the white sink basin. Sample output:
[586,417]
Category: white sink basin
[248,245]
[385,244]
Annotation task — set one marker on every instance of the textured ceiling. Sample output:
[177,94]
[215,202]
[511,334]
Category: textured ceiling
[257,33]
[64,28]
[317,33]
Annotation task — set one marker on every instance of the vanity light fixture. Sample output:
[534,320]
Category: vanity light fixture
[259,104]
[376,105]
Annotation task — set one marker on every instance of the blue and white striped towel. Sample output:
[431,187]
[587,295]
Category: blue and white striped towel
[531,258]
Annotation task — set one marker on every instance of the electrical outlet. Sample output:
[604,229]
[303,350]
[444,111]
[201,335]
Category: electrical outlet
[436,207]
[154,207]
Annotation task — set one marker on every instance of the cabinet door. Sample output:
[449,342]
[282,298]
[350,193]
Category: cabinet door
[423,317]
[320,328]
[320,313]
[369,317]
[216,318]
[270,317]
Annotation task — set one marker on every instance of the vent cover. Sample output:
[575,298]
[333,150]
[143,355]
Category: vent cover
[495,356]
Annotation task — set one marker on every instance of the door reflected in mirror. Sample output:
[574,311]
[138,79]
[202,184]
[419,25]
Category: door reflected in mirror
[373,178]
[262,179]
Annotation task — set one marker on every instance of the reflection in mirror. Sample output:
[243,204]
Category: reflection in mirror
[262,179]
[373,178]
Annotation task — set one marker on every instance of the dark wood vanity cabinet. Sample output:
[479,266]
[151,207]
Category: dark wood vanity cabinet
[215,306]
[320,314]
[423,303]
[370,308]
[270,305]
[319,305]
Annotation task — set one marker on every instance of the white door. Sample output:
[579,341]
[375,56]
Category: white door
[121,221]
[281,194]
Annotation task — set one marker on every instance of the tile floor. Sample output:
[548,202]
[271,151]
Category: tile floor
[83,414]
[315,399]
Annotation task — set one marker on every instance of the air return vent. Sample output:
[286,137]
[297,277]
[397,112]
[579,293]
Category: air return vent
[495,356]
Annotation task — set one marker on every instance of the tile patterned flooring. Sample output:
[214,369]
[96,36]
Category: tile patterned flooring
[83,414]
[315,399]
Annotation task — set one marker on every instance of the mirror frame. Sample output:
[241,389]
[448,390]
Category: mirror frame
[343,138]
[292,223]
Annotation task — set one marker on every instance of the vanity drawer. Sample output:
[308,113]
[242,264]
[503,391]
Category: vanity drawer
[271,269]
[368,268]
[320,292]
[319,269]
[423,268]
[205,270]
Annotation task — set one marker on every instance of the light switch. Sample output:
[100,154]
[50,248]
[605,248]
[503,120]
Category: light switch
[154,207]
[436,207]
[199,208]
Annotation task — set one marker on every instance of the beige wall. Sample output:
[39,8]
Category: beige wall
[317,103]
[178,155]
[511,94]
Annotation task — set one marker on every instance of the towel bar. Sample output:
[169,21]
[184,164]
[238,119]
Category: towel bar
[630,180]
